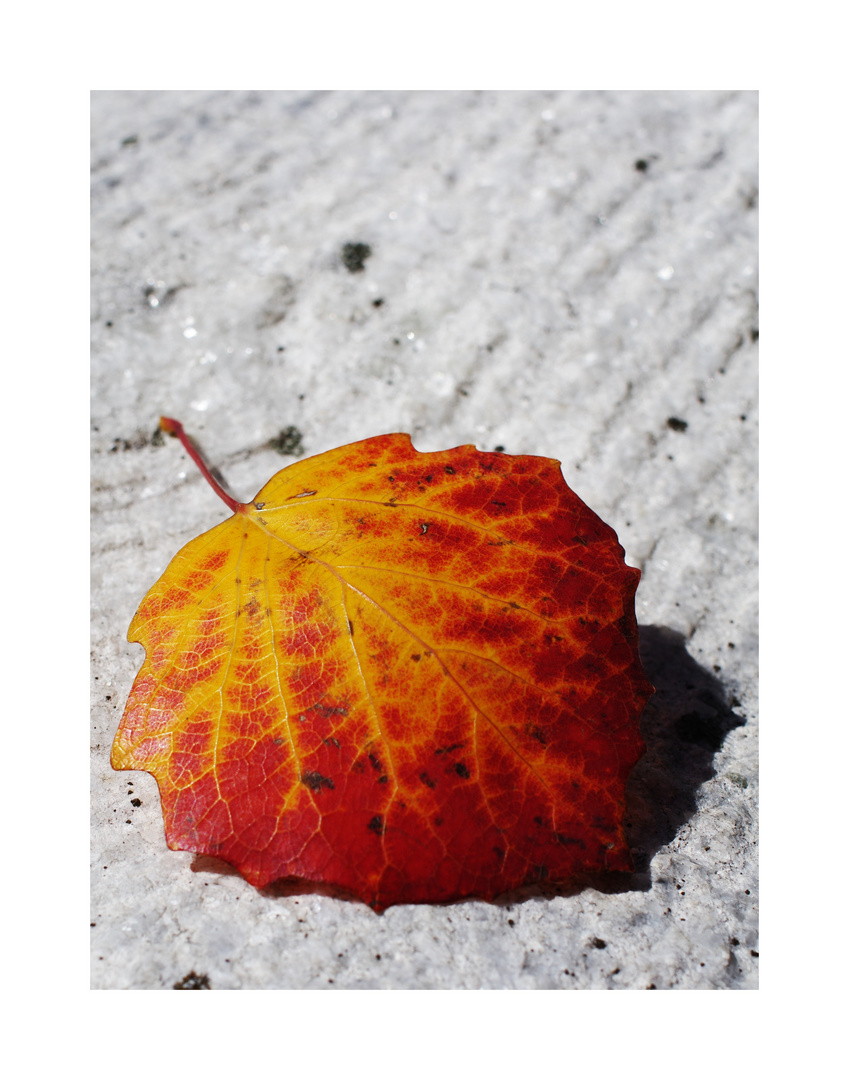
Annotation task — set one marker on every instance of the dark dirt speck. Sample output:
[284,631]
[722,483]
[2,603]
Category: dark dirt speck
[288,442]
[354,256]
[192,981]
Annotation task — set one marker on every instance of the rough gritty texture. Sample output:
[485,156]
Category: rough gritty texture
[565,274]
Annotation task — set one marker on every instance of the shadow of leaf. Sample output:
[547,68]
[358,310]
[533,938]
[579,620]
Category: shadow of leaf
[684,725]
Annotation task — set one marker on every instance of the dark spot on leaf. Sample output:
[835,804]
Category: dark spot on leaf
[675,424]
[328,742]
[561,838]
[326,711]
[315,781]
[416,656]
[448,749]
[354,256]
[461,770]
[450,469]
[375,762]
[425,779]
[376,826]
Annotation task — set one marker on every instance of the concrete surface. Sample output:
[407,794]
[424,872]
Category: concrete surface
[564,274]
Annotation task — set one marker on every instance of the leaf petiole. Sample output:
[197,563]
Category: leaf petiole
[174,427]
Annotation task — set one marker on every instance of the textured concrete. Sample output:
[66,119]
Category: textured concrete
[564,274]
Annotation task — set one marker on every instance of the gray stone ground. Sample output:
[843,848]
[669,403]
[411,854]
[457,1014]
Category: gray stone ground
[554,273]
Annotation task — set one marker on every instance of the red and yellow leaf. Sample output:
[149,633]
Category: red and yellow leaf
[411,676]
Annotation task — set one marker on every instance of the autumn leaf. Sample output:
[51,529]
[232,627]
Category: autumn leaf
[410,676]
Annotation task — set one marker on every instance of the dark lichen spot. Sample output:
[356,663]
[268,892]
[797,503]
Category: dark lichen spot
[135,802]
[641,165]
[377,302]
[193,981]
[354,256]
[376,826]
[289,442]
[675,424]
[598,943]
[315,781]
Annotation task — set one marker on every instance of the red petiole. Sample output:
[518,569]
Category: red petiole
[174,427]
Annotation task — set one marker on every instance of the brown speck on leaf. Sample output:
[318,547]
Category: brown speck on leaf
[315,781]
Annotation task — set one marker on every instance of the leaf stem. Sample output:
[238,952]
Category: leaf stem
[174,427]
